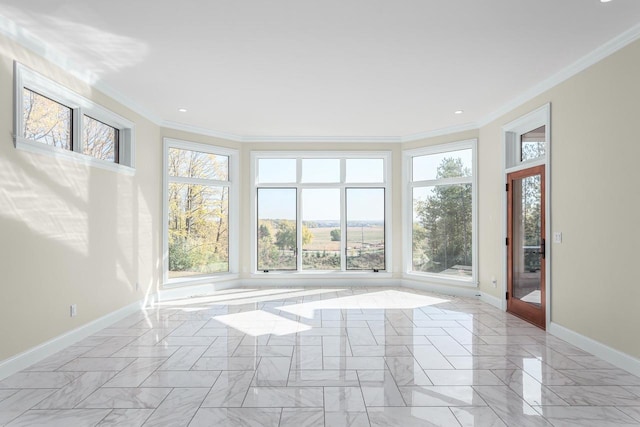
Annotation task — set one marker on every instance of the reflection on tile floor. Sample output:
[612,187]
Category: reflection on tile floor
[321,357]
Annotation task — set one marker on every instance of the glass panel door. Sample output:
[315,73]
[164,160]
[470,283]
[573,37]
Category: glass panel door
[526,245]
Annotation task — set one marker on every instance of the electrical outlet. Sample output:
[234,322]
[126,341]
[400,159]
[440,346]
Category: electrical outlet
[73,310]
[494,282]
[557,237]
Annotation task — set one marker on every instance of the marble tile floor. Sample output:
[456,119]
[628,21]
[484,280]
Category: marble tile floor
[321,357]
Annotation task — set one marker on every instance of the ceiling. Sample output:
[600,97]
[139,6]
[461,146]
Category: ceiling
[331,68]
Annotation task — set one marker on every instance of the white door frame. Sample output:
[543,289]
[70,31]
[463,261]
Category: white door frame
[510,163]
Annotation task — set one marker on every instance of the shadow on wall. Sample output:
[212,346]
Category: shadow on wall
[111,52]
[70,236]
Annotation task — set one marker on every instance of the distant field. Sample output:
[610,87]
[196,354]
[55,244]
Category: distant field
[357,235]
[322,237]
[322,240]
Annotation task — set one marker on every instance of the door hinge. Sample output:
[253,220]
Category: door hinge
[507,295]
[506,187]
[506,241]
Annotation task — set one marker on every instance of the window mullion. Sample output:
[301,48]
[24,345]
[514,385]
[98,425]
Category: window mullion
[76,130]
[443,181]
[343,229]
[298,229]
[197,181]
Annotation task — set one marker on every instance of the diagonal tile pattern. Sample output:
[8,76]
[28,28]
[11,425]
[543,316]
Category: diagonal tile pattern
[321,357]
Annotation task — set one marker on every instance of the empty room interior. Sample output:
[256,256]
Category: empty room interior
[337,213]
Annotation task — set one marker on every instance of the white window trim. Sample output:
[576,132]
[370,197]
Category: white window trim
[25,77]
[511,133]
[407,197]
[234,212]
[343,156]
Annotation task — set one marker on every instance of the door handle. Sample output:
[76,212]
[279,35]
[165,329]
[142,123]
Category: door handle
[543,249]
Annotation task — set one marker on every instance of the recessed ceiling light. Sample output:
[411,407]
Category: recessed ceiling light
[182,110]
[458,112]
[605,1]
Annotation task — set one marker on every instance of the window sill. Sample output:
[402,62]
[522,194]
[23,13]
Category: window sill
[180,282]
[40,148]
[322,274]
[440,279]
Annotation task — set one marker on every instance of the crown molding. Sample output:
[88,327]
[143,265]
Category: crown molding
[349,139]
[566,73]
[239,138]
[439,132]
[167,124]
[29,41]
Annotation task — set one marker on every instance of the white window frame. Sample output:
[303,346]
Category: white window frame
[26,78]
[407,224]
[343,156]
[511,133]
[234,213]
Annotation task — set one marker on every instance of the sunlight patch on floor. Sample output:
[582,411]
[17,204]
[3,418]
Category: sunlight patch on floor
[381,300]
[258,322]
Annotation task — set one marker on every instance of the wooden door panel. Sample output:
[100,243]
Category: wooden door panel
[526,245]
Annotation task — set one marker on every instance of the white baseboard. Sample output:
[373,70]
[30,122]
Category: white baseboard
[287,281]
[460,291]
[202,289]
[603,351]
[491,300]
[33,355]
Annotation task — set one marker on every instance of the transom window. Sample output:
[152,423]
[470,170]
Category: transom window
[199,199]
[51,119]
[321,211]
[441,211]
[526,140]
[46,121]
[533,144]
[100,140]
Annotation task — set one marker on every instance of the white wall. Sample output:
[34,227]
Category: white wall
[71,233]
[595,201]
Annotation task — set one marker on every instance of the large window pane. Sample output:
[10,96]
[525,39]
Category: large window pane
[365,170]
[99,140]
[452,164]
[321,229]
[527,235]
[442,229]
[198,230]
[276,171]
[365,228]
[196,164]
[277,229]
[46,120]
[320,170]
[532,144]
